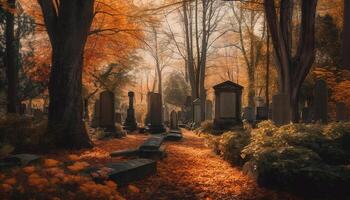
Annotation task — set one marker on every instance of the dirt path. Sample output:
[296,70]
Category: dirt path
[192,171]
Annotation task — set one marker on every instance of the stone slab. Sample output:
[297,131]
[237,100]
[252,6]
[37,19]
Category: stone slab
[153,154]
[152,143]
[126,172]
[127,152]
[173,136]
[22,159]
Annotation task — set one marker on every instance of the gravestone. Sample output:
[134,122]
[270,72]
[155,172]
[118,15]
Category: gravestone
[197,112]
[149,94]
[320,104]
[155,117]
[95,122]
[179,117]
[342,112]
[187,110]
[130,121]
[227,105]
[174,123]
[166,115]
[107,111]
[23,109]
[208,110]
[118,117]
[259,102]
[270,111]
[262,113]
[280,110]
[248,114]
[306,115]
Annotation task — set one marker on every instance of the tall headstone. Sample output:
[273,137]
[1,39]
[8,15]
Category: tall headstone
[130,121]
[248,114]
[156,123]
[107,111]
[187,110]
[147,121]
[208,110]
[166,115]
[280,110]
[95,122]
[197,112]
[228,105]
[180,116]
[320,109]
[174,123]
[342,112]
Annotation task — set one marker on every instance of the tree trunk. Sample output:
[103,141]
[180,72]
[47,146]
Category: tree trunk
[11,62]
[68,30]
[346,36]
[251,87]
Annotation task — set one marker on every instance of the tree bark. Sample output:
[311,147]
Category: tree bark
[11,61]
[346,36]
[68,31]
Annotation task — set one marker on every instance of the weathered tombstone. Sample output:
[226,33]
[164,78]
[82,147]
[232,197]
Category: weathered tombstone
[174,123]
[166,115]
[179,116]
[306,115]
[156,124]
[280,110]
[208,110]
[23,109]
[197,112]
[118,118]
[130,121]
[320,105]
[95,122]
[248,114]
[187,110]
[227,105]
[270,110]
[262,113]
[342,112]
[107,111]
[149,94]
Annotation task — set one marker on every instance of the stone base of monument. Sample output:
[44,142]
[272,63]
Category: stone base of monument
[124,173]
[156,129]
[226,124]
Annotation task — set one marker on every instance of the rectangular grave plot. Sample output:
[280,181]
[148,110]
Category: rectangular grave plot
[133,170]
[153,154]
[126,152]
[152,143]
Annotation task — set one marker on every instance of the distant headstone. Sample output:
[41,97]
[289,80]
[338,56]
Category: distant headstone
[248,114]
[147,120]
[342,112]
[208,110]
[259,102]
[197,112]
[118,117]
[270,111]
[107,111]
[166,115]
[320,101]
[187,110]
[280,109]
[180,116]
[262,113]
[96,115]
[174,123]
[23,109]
[130,123]
[306,116]
[227,105]
[156,124]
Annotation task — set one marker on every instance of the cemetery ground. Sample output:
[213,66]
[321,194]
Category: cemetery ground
[190,171]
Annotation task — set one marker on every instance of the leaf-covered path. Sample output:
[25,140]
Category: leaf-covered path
[192,171]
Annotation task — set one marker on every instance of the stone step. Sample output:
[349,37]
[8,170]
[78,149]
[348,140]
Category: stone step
[126,172]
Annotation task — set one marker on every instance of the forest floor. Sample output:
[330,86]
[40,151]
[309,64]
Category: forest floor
[192,171]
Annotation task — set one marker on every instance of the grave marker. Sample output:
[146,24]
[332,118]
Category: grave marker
[107,111]
[342,112]
[320,108]
[280,110]
[130,123]
[174,123]
[155,116]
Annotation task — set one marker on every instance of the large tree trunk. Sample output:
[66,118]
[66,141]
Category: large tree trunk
[292,70]
[68,30]
[346,36]
[11,61]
